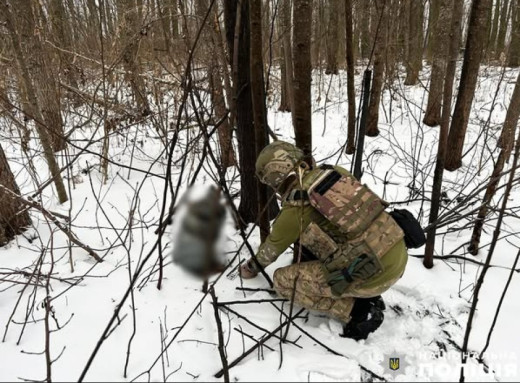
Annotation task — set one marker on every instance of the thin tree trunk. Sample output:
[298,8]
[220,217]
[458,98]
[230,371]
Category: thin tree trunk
[63,36]
[505,15]
[453,52]
[351,92]
[415,42]
[332,38]
[13,217]
[39,64]
[284,98]
[42,129]
[129,39]
[237,18]
[432,116]
[506,144]
[287,52]
[468,81]
[366,48]
[379,68]
[259,109]
[514,47]
[494,29]
[433,20]
[301,107]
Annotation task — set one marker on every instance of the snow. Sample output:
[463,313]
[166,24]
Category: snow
[426,312]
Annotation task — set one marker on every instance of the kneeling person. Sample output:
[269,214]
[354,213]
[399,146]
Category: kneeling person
[358,251]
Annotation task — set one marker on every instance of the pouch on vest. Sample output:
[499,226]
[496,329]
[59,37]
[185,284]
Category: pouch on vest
[345,202]
[361,269]
[318,242]
[413,233]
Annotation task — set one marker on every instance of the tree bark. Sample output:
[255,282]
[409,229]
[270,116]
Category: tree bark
[433,20]
[468,81]
[287,52]
[259,109]
[301,107]
[505,15]
[239,14]
[415,42]
[39,65]
[366,48]
[453,52]
[379,68]
[63,36]
[332,38]
[432,116]
[129,36]
[351,91]
[494,29]
[32,91]
[13,217]
[514,46]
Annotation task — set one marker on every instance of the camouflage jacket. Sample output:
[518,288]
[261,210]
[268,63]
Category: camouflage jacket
[296,215]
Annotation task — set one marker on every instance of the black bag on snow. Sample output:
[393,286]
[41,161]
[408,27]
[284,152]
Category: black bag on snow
[413,233]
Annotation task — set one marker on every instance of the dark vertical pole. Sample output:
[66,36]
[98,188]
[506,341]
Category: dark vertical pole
[367,78]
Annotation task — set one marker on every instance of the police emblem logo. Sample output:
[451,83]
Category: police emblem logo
[393,364]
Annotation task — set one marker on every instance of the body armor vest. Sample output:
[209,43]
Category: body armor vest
[363,233]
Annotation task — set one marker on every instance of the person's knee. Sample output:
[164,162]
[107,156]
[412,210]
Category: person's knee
[278,279]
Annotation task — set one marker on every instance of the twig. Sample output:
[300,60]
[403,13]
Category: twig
[54,220]
[253,348]
[221,347]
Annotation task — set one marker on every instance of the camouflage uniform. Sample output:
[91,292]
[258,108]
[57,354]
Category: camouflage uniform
[309,279]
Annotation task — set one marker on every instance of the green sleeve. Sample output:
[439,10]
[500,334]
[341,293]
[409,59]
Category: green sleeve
[285,231]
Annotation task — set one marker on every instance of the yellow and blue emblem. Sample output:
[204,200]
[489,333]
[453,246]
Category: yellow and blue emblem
[393,364]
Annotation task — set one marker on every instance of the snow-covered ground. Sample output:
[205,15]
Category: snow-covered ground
[426,312]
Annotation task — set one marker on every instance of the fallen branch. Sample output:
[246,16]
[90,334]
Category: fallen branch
[224,304]
[363,368]
[54,220]
[221,347]
[253,348]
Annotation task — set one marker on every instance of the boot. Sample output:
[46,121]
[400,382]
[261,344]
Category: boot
[366,317]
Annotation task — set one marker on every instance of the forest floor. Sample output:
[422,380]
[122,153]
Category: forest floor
[426,312]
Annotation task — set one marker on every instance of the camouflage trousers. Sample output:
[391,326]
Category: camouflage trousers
[313,292]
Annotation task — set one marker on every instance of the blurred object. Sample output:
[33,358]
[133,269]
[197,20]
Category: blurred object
[195,241]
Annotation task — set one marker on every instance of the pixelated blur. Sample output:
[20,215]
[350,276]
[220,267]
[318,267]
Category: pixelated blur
[196,236]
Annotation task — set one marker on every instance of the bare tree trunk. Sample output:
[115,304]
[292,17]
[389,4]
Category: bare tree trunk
[505,15]
[432,116]
[62,33]
[259,109]
[284,98]
[237,18]
[13,217]
[332,38]
[24,68]
[351,92]
[379,68]
[494,29]
[225,132]
[129,33]
[301,107]
[392,42]
[366,48]
[514,47]
[453,52]
[38,62]
[287,51]
[468,81]
[433,20]
[415,42]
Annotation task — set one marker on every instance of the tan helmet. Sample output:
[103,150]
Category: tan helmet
[276,162]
